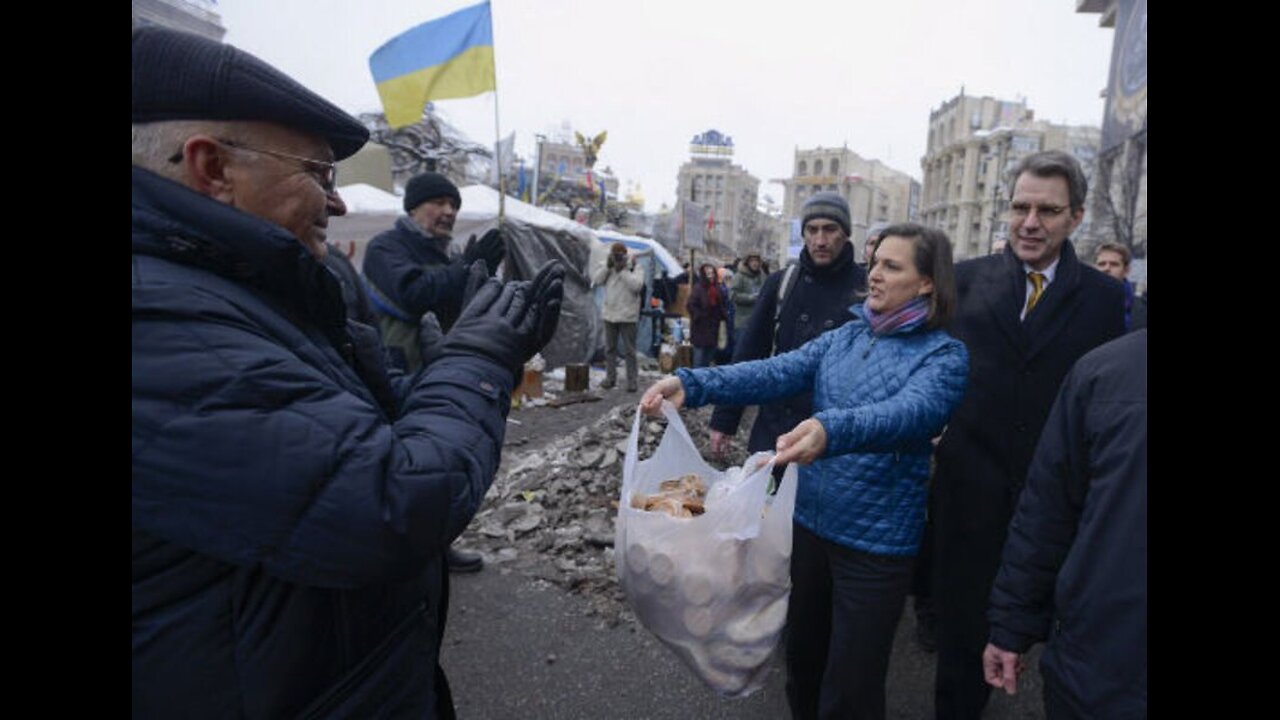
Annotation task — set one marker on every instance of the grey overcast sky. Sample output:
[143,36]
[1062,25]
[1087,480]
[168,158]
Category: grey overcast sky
[772,75]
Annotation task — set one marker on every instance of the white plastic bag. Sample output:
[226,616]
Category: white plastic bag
[714,587]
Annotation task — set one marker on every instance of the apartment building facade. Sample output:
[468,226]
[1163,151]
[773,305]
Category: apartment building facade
[729,193]
[875,192]
[974,143]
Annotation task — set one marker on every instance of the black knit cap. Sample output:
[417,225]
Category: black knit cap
[181,76]
[429,186]
[827,205]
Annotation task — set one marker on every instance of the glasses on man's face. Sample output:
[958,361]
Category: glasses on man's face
[325,173]
[1044,212]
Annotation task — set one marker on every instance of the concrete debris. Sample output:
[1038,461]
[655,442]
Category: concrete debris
[552,509]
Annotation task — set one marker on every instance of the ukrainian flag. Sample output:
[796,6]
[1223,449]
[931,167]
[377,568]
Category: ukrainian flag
[451,57]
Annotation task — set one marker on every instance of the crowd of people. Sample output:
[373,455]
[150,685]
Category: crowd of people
[310,438]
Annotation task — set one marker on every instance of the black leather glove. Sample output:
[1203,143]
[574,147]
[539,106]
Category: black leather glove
[430,334]
[430,338]
[476,275]
[547,293]
[500,323]
[489,248]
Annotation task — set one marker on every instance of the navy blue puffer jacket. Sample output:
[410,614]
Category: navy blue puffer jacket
[287,526]
[881,399]
[1074,568]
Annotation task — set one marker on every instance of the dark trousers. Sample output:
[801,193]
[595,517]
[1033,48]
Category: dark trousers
[964,571]
[1057,704]
[619,340]
[444,695]
[922,576]
[844,609]
[703,356]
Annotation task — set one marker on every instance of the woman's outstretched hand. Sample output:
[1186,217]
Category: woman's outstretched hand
[804,444]
[669,388]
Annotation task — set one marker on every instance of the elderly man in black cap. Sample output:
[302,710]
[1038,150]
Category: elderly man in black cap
[292,499]
[412,270]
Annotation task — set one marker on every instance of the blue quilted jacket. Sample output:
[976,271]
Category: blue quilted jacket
[880,399]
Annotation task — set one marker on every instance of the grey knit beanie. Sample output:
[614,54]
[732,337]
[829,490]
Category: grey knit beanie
[827,205]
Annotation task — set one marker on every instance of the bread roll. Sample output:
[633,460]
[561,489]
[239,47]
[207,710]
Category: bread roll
[698,621]
[758,627]
[698,588]
[739,657]
[661,568]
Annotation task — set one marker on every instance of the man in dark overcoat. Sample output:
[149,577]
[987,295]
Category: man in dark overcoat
[1025,315]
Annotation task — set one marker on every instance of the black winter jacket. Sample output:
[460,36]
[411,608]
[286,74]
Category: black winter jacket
[409,275]
[819,300]
[1074,570]
[288,525]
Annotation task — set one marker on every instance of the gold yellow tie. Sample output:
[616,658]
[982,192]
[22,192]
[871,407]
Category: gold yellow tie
[1037,289]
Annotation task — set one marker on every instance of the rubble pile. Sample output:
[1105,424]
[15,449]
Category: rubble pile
[551,509]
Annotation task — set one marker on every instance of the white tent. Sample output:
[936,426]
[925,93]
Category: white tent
[362,198]
[642,246]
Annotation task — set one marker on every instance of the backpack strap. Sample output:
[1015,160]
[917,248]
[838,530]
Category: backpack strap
[788,279]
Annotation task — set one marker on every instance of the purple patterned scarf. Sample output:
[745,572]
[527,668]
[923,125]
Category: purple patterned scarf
[910,315]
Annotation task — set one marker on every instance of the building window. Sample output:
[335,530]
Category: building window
[831,188]
[802,169]
[817,167]
[835,167]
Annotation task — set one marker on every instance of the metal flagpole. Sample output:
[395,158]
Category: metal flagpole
[497,129]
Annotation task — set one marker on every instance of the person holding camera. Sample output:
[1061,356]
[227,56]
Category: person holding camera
[623,283]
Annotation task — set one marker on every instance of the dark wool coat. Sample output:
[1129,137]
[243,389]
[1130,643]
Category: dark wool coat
[704,318]
[1015,370]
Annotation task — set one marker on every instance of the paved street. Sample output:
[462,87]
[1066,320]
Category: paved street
[517,647]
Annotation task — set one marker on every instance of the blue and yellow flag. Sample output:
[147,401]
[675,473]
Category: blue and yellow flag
[451,57]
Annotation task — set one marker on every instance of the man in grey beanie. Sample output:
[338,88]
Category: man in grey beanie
[793,307]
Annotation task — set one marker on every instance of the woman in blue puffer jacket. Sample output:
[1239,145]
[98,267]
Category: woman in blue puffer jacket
[883,386]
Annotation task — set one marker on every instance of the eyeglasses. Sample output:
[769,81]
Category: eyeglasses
[1021,209]
[325,173]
